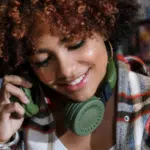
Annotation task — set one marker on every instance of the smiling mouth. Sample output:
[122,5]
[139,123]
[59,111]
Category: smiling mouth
[76,81]
[73,81]
[75,84]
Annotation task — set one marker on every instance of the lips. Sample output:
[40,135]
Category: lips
[75,84]
[76,81]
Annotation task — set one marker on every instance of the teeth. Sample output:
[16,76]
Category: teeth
[78,80]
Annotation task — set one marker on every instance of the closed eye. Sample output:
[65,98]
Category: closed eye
[42,63]
[76,46]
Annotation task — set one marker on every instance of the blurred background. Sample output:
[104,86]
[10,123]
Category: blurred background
[138,43]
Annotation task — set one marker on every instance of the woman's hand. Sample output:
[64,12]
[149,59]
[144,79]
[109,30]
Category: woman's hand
[8,123]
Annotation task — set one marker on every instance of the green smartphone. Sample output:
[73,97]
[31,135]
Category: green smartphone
[31,109]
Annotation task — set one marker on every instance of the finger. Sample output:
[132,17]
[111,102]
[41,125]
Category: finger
[4,96]
[16,80]
[15,91]
[8,109]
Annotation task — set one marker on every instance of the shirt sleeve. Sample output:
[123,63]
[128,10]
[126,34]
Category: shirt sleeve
[12,144]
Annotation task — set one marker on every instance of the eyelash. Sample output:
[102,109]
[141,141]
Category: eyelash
[42,63]
[45,62]
[78,45]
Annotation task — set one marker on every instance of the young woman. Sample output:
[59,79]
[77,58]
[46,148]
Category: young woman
[60,53]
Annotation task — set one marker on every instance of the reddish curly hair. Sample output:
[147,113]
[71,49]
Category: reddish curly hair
[69,17]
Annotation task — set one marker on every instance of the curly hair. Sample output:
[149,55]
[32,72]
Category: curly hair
[69,17]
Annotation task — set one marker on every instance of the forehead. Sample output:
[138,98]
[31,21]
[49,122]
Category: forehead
[42,35]
[39,27]
[40,32]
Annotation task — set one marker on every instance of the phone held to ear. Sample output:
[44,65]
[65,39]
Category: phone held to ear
[82,118]
[31,109]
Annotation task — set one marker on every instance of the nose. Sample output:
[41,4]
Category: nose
[66,68]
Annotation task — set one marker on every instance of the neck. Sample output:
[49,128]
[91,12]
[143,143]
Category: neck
[103,136]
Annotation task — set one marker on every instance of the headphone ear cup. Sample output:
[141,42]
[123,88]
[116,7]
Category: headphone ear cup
[111,75]
[83,118]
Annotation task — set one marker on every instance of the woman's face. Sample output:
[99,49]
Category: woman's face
[73,68]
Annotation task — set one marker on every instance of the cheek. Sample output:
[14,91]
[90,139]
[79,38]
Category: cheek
[96,55]
[102,60]
[88,55]
[45,75]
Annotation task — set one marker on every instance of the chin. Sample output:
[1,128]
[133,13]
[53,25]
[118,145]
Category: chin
[81,97]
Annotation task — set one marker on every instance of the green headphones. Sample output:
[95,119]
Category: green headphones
[84,117]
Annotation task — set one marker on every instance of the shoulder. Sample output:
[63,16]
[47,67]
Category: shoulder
[133,77]
[134,97]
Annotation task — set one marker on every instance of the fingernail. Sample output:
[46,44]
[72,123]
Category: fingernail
[26,100]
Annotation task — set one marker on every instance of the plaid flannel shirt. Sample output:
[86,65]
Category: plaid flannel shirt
[133,114]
